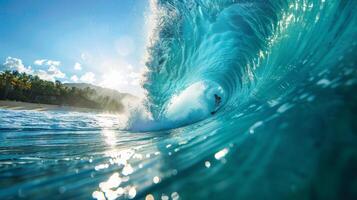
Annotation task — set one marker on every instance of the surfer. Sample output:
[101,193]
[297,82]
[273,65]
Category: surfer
[217,100]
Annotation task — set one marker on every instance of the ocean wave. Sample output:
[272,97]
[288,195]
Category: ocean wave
[247,48]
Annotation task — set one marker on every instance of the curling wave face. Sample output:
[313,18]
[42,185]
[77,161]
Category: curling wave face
[244,47]
[287,74]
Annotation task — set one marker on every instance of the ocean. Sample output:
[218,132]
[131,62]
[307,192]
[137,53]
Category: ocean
[285,128]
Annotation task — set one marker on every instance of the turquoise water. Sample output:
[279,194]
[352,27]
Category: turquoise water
[286,128]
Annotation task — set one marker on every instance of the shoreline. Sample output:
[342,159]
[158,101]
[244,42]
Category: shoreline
[19,105]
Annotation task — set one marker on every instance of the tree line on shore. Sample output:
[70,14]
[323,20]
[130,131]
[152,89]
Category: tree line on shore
[30,88]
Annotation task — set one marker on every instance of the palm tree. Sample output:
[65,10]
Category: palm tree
[7,77]
[24,87]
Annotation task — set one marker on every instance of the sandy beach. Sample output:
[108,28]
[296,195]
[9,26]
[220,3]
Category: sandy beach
[18,105]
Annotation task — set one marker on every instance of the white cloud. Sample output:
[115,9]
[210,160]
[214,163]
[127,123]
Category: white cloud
[16,64]
[51,74]
[77,66]
[55,72]
[88,77]
[44,75]
[53,63]
[74,78]
[39,62]
[84,56]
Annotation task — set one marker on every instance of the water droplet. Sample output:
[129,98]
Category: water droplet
[324,83]
[98,195]
[207,164]
[175,196]
[156,179]
[256,125]
[132,193]
[127,170]
[149,197]
[164,197]
[220,154]
[284,107]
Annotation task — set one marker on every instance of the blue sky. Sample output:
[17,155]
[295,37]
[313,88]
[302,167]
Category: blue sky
[100,42]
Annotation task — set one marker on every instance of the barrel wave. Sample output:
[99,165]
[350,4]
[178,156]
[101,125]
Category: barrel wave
[286,71]
[285,127]
[253,50]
